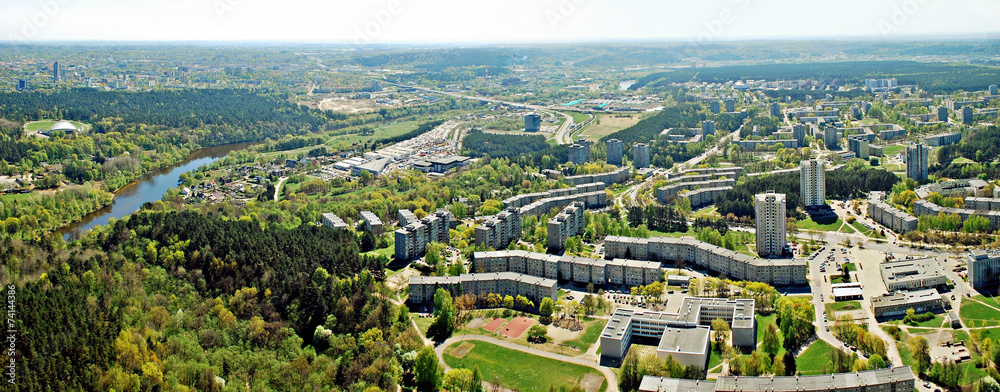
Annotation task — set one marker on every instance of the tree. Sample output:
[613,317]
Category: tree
[875,362]
[476,384]
[457,380]
[428,375]
[631,374]
[545,309]
[446,315]
[720,330]
[770,342]
[921,353]
[538,333]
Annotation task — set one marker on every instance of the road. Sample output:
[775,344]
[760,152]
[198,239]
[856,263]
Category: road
[586,360]
[277,188]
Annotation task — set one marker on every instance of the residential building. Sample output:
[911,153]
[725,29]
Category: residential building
[701,197]
[799,133]
[916,161]
[968,113]
[499,231]
[984,268]
[770,213]
[525,199]
[615,149]
[422,288]
[897,303]
[924,207]
[943,139]
[56,72]
[579,152]
[776,109]
[623,174]
[889,216]
[812,178]
[334,221]
[666,193]
[581,270]
[830,138]
[683,335]
[372,223]
[412,239]
[993,89]
[532,123]
[708,127]
[568,223]
[406,217]
[730,104]
[640,155]
[22,85]
[912,274]
[859,147]
[735,265]
[895,379]
[942,114]
[715,107]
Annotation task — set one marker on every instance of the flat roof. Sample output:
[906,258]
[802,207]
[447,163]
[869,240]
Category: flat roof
[684,340]
[906,297]
[907,270]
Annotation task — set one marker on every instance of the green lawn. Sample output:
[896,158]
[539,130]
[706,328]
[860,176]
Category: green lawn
[935,322]
[832,309]
[847,229]
[815,359]
[591,332]
[715,358]
[423,324]
[578,118]
[518,370]
[893,150]
[762,322]
[850,267]
[809,224]
[975,314]
[15,197]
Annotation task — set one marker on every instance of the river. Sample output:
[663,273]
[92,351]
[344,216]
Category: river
[151,187]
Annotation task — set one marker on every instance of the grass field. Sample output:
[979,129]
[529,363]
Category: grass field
[591,332]
[935,322]
[815,359]
[606,124]
[518,370]
[578,118]
[15,197]
[893,149]
[851,267]
[46,124]
[975,314]
[809,224]
[832,309]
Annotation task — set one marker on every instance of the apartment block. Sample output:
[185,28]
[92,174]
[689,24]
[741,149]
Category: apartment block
[615,149]
[372,223]
[889,216]
[499,231]
[666,193]
[568,223]
[943,139]
[917,156]
[534,288]
[704,196]
[771,229]
[640,155]
[813,183]
[618,272]
[579,152]
[984,268]
[412,239]
[334,221]
[618,176]
[735,265]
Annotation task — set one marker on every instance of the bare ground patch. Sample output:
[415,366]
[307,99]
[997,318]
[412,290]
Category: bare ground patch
[462,349]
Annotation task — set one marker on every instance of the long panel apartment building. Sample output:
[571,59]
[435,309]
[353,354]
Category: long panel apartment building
[777,272]
[704,196]
[924,207]
[666,193]
[618,176]
[534,288]
[529,198]
[568,223]
[412,239]
[889,216]
[618,272]
[500,230]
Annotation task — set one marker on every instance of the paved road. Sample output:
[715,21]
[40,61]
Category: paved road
[584,360]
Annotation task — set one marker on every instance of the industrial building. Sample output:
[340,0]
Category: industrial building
[441,165]
[776,272]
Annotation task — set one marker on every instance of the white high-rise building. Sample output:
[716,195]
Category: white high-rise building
[771,239]
[813,183]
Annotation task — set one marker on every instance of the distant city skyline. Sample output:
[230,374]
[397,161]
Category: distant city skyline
[512,21]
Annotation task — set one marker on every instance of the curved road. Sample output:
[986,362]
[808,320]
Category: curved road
[582,361]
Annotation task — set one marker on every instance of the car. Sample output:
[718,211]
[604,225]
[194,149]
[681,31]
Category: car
[927,385]
[827,328]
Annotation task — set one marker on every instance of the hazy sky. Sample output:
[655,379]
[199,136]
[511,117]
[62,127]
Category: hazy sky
[489,21]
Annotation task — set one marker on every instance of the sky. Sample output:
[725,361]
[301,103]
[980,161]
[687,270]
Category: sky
[491,21]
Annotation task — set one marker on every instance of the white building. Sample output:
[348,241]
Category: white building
[813,182]
[771,238]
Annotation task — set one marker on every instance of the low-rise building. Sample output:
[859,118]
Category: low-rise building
[441,165]
[896,379]
[889,216]
[683,335]
[847,291]
[913,274]
[896,304]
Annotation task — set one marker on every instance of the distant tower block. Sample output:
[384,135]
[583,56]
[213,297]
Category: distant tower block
[708,127]
[813,183]
[771,235]
[615,149]
[640,155]
[532,123]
